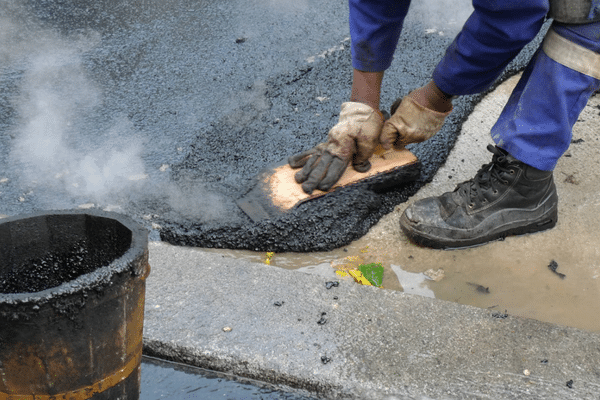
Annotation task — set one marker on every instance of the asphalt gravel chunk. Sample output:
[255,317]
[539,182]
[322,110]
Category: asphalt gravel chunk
[35,275]
[201,111]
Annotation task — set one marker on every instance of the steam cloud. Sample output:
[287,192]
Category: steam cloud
[54,153]
[55,96]
[443,16]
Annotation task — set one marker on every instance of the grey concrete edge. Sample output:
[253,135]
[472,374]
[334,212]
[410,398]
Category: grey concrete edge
[262,322]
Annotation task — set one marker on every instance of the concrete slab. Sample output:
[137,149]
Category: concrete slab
[353,341]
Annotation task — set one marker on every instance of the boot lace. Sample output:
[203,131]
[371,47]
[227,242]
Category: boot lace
[488,177]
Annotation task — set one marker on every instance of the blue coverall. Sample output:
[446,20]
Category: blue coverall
[535,126]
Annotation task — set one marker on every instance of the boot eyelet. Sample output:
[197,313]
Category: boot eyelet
[512,171]
[495,192]
[471,205]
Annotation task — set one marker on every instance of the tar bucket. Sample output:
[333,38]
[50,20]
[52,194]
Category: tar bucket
[72,289]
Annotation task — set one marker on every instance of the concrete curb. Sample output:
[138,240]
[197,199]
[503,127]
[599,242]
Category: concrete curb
[378,344]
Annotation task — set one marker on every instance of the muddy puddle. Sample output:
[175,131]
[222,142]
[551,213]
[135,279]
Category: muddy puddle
[552,276]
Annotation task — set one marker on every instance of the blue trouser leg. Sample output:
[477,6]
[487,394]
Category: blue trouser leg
[375,26]
[536,124]
[494,34]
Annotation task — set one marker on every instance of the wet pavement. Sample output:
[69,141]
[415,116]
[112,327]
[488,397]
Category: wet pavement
[353,341]
[168,380]
[166,110]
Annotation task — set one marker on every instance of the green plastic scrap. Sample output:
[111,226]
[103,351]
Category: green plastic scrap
[373,272]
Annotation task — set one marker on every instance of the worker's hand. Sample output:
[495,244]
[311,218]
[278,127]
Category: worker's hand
[352,139]
[416,117]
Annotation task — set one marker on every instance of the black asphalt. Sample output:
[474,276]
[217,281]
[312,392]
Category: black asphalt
[166,110]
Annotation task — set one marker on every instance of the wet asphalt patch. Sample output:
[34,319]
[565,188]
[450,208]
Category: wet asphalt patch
[321,224]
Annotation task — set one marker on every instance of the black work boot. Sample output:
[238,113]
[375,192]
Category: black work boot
[506,197]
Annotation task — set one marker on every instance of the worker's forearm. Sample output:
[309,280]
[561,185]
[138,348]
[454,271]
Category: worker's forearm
[431,97]
[366,87]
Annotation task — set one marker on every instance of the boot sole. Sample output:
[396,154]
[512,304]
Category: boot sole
[521,227]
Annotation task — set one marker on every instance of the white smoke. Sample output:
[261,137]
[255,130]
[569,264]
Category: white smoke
[55,96]
[196,201]
[247,105]
[443,17]
[51,149]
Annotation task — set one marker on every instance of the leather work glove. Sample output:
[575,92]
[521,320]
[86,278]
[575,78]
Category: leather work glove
[352,139]
[414,118]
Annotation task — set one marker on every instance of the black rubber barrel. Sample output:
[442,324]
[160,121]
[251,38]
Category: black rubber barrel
[72,289]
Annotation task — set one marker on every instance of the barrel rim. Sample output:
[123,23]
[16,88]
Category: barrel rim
[91,280]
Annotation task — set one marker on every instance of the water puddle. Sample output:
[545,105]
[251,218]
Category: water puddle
[413,283]
[520,275]
[167,380]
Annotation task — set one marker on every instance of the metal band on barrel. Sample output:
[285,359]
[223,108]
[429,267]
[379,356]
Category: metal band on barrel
[85,392]
[571,55]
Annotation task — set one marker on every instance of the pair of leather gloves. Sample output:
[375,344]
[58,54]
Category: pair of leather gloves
[361,128]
